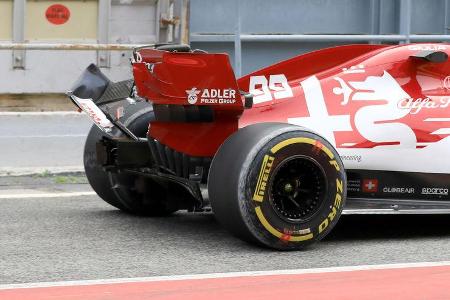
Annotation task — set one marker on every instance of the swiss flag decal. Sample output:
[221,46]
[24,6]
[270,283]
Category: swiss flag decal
[370,185]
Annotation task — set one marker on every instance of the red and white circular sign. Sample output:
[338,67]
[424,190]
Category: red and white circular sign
[57,14]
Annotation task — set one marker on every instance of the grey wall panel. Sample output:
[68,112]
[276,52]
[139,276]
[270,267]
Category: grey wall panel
[389,20]
[427,17]
[285,16]
[132,23]
[211,16]
[306,16]
[50,72]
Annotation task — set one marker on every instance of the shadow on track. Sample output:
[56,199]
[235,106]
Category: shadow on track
[367,227]
[349,227]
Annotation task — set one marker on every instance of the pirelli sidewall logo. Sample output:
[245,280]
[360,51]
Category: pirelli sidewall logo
[263,177]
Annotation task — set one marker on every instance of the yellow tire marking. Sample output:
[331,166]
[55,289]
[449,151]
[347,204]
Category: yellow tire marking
[262,178]
[275,232]
[301,140]
[291,141]
[327,151]
[256,197]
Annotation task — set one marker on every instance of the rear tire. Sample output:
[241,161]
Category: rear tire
[97,177]
[277,185]
[130,193]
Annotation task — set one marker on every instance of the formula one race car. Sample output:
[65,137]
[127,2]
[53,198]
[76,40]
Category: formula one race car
[277,154]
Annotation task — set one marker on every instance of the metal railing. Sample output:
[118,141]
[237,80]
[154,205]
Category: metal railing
[67,46]
[318,38]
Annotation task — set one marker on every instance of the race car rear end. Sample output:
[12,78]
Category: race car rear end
[171,139]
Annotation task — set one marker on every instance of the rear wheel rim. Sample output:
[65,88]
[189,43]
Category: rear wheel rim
[297,189]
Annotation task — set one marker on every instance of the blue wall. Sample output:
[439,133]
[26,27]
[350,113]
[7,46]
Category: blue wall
[342,17]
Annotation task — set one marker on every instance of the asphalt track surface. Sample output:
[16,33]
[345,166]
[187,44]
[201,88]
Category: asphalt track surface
[80,238]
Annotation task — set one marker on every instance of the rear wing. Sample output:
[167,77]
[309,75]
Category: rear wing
[186,78]
[195,95]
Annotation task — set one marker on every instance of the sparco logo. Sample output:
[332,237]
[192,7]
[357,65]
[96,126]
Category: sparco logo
[435,191]
[192,95]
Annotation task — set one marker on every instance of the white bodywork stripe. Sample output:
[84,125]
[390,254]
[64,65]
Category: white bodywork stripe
[442,131]
[437,120]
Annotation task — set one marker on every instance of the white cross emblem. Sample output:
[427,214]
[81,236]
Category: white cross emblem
[370,185]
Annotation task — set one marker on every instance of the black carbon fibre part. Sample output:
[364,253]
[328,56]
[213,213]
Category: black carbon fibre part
[179,164]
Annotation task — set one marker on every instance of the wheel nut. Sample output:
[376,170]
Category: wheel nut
[288,188]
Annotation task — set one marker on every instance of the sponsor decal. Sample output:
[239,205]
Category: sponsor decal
[354,69]
[427,47]
[94,112]
[435,191]
[354,185]
[192,95]
[288,234]
[370,185]
[447,82]
[217,96]
[301,231]
[336,206]
[355,158]
[263,178]
[414,106]
[211,96]
[398,190]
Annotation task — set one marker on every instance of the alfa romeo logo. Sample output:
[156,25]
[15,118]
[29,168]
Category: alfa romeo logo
[447,82]
[192,95]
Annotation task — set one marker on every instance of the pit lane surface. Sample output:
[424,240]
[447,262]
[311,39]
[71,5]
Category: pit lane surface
[80,238]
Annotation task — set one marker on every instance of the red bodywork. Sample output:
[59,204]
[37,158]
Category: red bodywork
[167,78]
[356,96]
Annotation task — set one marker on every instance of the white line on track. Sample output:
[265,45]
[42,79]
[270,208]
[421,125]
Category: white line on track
[225,275]
[40,113]
[46,195]
[42,136]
